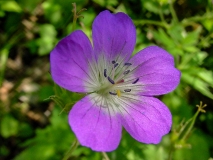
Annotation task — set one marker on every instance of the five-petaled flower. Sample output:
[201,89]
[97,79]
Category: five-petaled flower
[119,88]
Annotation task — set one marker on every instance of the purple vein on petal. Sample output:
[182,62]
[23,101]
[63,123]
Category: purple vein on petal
[142,102]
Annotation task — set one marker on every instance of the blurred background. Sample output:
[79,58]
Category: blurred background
[33,110]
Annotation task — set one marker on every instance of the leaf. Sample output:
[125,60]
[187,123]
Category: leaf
[163,38]
[47,40]
[9,126]
[199,83]
[191,38]
[151,6]
[10,6]
[199,148]
[49,143]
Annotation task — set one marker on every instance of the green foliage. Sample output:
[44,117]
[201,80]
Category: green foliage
[51,142]
[47,39]
[34,123]
[194,151]
[9,126]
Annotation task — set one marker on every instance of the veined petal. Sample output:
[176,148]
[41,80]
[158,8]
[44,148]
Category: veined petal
[93,127]
[147,120]
[156,71]
[69,62]
[113,35]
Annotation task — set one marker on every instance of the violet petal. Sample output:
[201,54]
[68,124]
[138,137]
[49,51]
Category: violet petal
[147,120]
[113,35]
[94,128]
[156,71]
[69,62]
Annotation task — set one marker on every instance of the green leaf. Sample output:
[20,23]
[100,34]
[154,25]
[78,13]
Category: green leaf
[199,148]
[163,38]
[191,38]
[47,40]
[151,6]
[176,31]
[49,143]
[9,126]
[10,6]
[199,83]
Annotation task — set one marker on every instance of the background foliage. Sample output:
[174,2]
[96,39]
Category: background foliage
[33,110]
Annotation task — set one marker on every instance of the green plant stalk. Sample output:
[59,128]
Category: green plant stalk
[173,13]
[3,60]
[75,17]
[72,148]
[105,156]
[191,126]
[162,17]
[189,20]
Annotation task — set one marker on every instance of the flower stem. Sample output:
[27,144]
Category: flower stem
[188,129]
[72,148]
[162,16]
[105,156]
[171,152]
[173,11]
[200,109]
[3,60]
[76,15]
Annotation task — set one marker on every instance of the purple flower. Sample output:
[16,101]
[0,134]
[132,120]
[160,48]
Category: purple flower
[119,89]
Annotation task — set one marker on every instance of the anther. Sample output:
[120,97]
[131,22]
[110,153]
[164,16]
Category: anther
[118,93]
[112,93]
[120,81]
[126,72]
[115,65]
[110,80]
[105,74]
[127,64]
[135,81]
[113,62]
[127,90]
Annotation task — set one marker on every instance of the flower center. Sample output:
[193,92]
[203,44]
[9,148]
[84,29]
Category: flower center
[116,79]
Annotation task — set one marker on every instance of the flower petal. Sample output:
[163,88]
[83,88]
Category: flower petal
[147,120]
[69,62]
[155,70]
[94,128]
[113,35]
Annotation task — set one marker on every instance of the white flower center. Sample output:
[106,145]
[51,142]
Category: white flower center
[114,77]
[112,83]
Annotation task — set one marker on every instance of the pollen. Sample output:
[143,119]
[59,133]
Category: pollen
[118,93]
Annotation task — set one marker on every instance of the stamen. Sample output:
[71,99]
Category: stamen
[126,72]
[105,74]
[113,62]
[112,93]
[127,64]
[120,81]
[135,81]
[118,93]
[115,65]
[110,80]
[127,90]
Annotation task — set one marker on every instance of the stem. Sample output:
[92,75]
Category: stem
[162,16]
[191,126]
[194,19]
[72,148]
[171,152]
[105,156]
[173,11]
[76,15]
[3,60]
